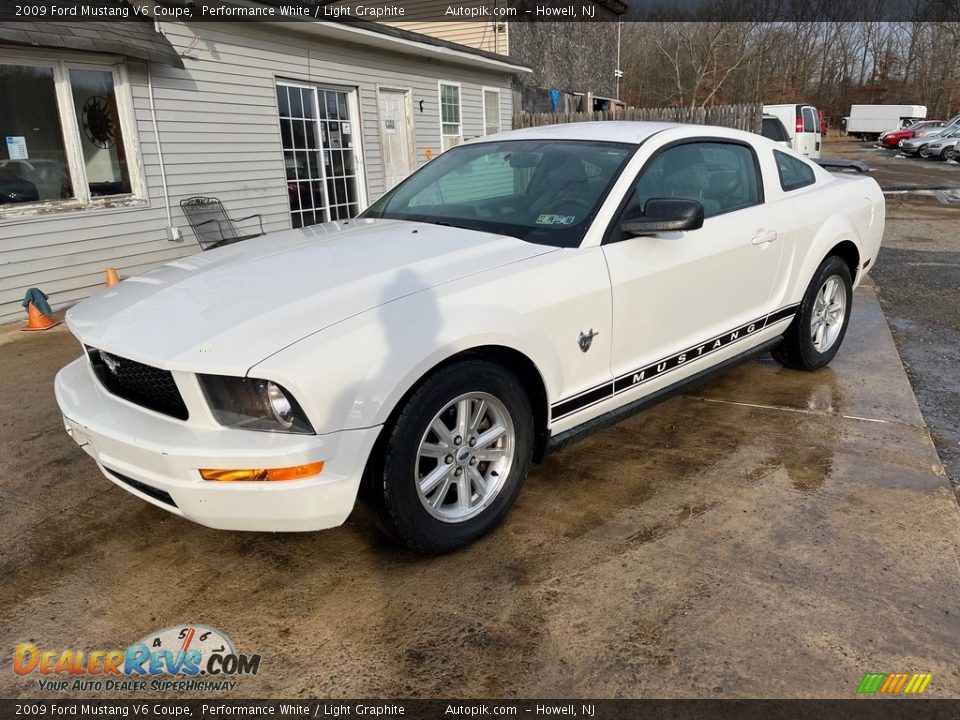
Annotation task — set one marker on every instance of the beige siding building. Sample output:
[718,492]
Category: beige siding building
[299,122]
[490,36]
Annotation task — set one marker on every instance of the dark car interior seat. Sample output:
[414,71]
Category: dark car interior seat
[561,176]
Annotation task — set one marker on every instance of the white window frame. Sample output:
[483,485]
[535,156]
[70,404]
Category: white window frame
[61,65]
[483,94]
[353,108]
[443,135]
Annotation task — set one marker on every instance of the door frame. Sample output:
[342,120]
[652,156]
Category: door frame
[408,112]
[356,129]
[483,96]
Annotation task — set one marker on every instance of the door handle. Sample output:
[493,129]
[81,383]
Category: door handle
[762,237]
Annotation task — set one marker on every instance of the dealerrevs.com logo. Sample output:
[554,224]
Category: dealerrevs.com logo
[180,658]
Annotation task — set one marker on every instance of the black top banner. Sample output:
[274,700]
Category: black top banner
[747,11]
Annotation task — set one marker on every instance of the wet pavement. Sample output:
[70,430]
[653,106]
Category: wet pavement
[897,172]
[917,274]
[770,534]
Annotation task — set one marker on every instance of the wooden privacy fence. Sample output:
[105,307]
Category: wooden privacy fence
[741,117]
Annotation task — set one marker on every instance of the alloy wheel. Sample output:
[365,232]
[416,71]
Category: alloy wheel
[829,312]
[464,457]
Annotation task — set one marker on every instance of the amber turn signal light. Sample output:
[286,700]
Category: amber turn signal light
[296,472]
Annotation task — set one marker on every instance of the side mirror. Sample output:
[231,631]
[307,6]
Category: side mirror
[665,215]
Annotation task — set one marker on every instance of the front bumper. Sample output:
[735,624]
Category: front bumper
[162,457]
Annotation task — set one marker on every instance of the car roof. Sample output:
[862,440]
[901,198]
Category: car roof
[622,131]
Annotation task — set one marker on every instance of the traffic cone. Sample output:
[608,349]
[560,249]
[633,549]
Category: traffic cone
[36,320]
[112,277]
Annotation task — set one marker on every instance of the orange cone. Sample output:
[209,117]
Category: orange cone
[112,277]
[36,320]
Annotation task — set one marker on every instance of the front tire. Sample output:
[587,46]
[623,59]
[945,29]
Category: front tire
[454,459]
[818,328]
[950,153]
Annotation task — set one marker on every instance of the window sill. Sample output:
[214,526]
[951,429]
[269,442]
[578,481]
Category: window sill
[64,208]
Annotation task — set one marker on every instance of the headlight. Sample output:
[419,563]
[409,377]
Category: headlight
[280,405]
[252,404]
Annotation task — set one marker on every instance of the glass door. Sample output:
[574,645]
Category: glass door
[318,131]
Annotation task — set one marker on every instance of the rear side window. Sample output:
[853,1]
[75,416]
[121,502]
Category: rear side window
[793,173]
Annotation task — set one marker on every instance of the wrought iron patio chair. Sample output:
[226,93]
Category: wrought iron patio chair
[211,224]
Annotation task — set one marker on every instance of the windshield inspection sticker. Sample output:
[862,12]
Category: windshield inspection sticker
[556,219]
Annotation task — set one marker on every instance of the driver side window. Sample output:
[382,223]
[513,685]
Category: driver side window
[721,176]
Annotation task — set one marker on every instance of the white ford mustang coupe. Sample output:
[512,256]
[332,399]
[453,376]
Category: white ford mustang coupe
[514,294]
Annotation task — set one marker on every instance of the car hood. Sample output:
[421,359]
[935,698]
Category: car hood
[227,309]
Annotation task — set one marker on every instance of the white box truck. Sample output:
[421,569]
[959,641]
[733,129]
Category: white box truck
[802,123]
[868,122]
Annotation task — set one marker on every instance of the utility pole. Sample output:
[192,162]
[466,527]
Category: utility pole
[618,72]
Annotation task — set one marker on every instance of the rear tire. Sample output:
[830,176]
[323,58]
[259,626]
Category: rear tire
[439,482]
[818,328]
[924,153]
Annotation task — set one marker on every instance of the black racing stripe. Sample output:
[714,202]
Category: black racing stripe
[783,313]
[665,365]
[566,407]
[645,374]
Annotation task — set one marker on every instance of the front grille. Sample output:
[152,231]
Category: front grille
[141,384]
[148,490]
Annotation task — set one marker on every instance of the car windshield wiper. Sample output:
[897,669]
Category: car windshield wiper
[448,224]
[434,221]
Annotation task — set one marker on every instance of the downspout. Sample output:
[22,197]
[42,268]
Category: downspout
[172,232]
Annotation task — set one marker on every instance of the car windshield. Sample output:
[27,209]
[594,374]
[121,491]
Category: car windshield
[542,191]
[950,132]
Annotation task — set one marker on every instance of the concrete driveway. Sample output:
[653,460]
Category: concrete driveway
[917,275]
[772,534]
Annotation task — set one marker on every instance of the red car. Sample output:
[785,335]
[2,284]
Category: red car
[893,138]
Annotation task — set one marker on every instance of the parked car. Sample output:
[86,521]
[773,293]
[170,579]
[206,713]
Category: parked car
[893,138]
[918,145]
[516,293]
[802,123]
[772,129]
[942,147]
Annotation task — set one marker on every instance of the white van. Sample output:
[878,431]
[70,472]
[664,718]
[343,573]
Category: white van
[803,126]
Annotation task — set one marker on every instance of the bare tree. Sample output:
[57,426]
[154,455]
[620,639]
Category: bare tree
[829,64]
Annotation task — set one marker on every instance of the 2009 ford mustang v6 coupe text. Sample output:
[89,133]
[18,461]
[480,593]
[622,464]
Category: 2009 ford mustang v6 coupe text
[515,293]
